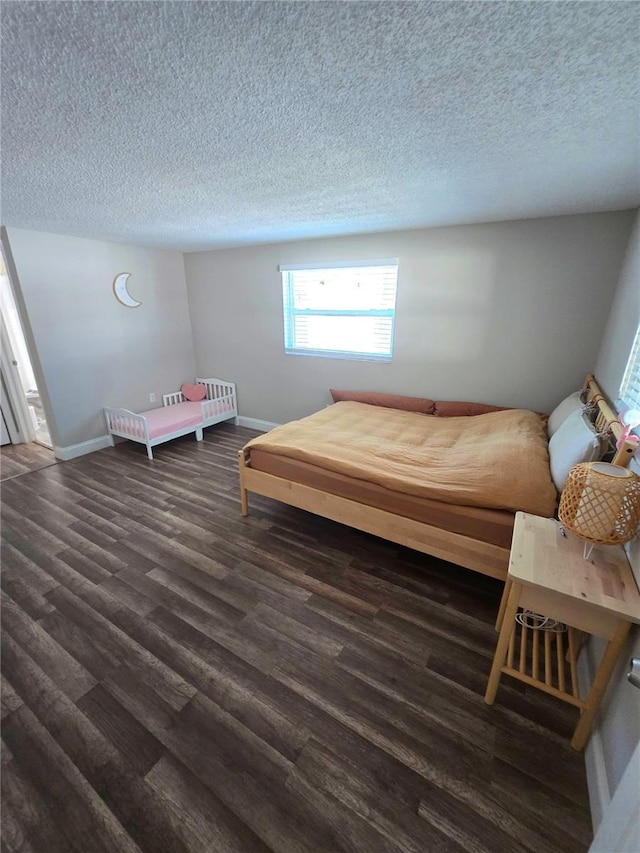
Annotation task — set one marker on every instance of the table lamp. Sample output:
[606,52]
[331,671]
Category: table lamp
[600,503]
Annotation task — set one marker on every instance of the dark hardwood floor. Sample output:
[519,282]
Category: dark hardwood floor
[178,678]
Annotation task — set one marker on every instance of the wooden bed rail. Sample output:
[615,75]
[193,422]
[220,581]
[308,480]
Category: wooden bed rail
[470,553]
[243,460]
[607,421]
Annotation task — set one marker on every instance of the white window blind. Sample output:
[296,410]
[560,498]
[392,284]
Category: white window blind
[340,310]
[630,387]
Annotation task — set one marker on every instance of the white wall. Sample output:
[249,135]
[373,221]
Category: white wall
[508,313]
[90,350]
[618,722]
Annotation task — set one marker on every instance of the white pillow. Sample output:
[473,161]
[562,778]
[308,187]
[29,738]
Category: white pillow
[574,441]
[562,411]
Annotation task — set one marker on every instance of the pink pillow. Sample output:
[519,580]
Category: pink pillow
[459,409]
[387,401]
[194,393]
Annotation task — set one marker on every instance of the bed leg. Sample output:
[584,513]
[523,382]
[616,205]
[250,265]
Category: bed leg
[244,496]
[149,451]
[199,434]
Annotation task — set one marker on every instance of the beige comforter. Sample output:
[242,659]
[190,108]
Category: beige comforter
[499,460]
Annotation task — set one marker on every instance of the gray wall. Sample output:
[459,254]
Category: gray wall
[90,350]
[619,715]
[509,313]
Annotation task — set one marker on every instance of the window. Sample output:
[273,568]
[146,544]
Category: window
[342,310]
[630,386]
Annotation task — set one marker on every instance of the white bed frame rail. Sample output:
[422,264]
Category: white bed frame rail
[173,399]
[219,404]
[135,427]
[127,424]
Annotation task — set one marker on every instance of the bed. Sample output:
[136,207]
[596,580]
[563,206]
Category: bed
[416,500]
[178,415]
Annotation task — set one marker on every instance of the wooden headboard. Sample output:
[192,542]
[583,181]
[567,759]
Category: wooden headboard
[607,421]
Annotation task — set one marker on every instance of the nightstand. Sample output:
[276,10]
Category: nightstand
[548,575]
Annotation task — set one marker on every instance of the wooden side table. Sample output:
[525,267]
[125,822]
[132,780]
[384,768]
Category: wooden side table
[549,575]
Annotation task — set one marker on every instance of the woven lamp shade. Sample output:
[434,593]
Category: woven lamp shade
[601,503]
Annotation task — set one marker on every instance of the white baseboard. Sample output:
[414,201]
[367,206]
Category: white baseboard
[255,423]
[74,450]
[597,779]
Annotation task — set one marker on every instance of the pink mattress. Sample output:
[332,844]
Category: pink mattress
[172,418]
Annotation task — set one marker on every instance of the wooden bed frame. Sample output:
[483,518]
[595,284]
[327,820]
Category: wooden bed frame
[471,553]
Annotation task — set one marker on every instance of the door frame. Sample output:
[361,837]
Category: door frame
[13,398]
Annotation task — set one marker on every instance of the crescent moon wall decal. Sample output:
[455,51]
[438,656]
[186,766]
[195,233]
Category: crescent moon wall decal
[121,292]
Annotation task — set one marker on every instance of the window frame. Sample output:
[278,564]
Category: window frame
[631,376]
[290,312]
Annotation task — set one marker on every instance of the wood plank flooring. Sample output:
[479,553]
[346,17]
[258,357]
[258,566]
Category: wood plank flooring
[178,678]
[17,459]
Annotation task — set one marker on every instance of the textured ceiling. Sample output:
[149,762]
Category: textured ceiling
[213,124]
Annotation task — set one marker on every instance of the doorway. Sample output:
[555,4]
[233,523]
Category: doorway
[22,412]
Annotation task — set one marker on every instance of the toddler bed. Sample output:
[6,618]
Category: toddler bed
[194,407]
[446,489]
